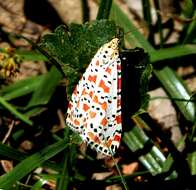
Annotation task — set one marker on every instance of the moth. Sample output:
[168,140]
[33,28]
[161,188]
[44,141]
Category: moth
[94,110]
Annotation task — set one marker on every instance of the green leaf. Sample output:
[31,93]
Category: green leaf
[146,11]
[173,52]
[192,162]
[85,11]
[15,112]
[104,9]
[187,7]
[43,179]
[31,55]
[144,80]
[176,89]
[45,90]
[30,163]
[11,153]
[21,87]
[190,30]
[39,184]
[64,179]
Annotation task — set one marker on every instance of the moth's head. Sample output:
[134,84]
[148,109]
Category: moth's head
[113,44]
[110,51]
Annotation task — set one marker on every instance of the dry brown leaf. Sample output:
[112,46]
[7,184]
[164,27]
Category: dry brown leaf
[30,68]
[185,70]
[12,15]
[163,112]
[128,169]
[114,187]
[26,145]
[69,11]
[101,175]
[7,165]
[191,83]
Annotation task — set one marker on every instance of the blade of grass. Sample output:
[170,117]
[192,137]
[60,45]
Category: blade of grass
[192,162]
[148,19]
[85,11]
[31,55]
[43,179]
[176,89]
[45,90]
[173,52]
[64,179]
[159,22]
[15,112]
[13,154]
[146,11]
[188,8]
[30,163]
[39,184]
[21,87]
[190,31]
[104,9]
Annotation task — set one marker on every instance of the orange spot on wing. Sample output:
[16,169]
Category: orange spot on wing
[108,70]
[85,107]
[84,92]
[109,142]
[76,122]
[97,63]
[96,139]
[95,99]
[103,86]
[92,78]
[92,114]
[118,119]
[104,121]
[93,137]
[104,106]
[91,94]
[117,138]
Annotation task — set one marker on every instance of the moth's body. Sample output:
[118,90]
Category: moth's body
[95,107]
